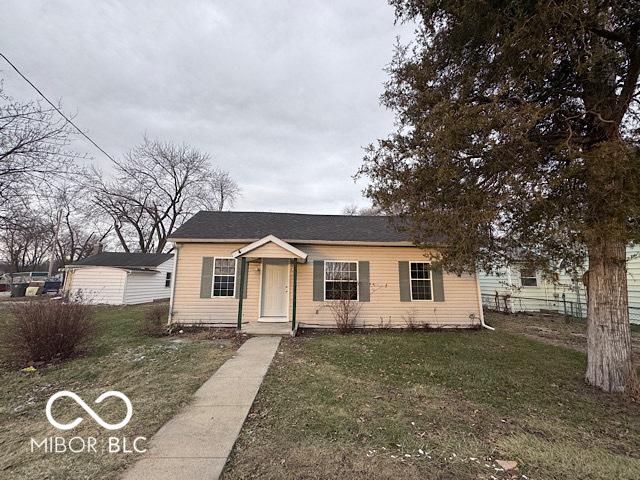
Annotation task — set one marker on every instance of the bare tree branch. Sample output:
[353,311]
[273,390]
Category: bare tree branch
[155,188]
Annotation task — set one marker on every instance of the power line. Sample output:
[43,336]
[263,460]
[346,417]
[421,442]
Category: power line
[56,108]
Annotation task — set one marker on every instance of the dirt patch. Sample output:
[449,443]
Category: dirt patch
[553,329]
[220,336]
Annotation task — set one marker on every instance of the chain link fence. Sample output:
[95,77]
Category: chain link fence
[556,306]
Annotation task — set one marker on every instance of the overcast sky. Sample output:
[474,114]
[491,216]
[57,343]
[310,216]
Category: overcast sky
[282,94]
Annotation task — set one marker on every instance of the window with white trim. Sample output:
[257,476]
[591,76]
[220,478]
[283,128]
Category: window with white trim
[528,277]
[421,286]
[167,279]
[224,277]
[340,280]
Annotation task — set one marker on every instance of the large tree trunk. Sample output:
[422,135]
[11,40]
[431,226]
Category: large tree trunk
[609,364]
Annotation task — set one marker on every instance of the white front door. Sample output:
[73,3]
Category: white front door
[275,289]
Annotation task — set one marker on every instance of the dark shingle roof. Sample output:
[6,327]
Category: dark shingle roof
[288,227]
[123,259]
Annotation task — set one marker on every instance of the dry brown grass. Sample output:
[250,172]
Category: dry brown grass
[553,329]
[205,334]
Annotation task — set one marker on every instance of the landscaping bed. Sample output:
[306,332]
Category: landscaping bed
[436,405]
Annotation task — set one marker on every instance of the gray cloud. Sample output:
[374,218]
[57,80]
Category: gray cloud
[283,94]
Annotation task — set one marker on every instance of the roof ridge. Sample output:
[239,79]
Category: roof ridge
[124,259]
[135,253]
[294,213]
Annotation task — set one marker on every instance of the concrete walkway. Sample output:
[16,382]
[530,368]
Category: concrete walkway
[195,443]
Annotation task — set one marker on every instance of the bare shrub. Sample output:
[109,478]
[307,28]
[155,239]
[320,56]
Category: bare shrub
[345,312]
[154,322]
[411,321]
[385,322]
[37,332]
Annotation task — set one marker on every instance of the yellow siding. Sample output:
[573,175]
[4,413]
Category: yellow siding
[188,307]
[270,250]
[460,307]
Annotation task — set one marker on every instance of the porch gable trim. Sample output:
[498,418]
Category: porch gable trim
[241,252]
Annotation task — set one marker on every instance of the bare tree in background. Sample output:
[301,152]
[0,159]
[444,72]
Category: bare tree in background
[34,156]
[224,191]
[154,189]
[54,226]
[25,241]
[355,210]
[351,209]
[77,237]
[71,224]
[33,148]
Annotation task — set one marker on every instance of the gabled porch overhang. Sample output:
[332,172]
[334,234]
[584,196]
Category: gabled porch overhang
[271,248]
[254,250]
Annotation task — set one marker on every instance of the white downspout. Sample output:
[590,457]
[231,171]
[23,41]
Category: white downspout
[176,247]
[482,324]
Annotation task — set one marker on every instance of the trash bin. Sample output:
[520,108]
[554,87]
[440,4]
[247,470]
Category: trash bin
[19,289]
[51,286]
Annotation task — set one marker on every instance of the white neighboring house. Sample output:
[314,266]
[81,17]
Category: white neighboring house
[527,290]
[515,288]
[118,278]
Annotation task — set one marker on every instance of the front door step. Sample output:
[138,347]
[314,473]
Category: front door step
[263,328]
[273,319]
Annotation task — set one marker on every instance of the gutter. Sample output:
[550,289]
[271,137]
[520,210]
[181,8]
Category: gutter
[124,288]
[374,243]
[482,324]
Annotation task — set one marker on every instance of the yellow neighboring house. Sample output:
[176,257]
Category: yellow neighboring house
[241,269]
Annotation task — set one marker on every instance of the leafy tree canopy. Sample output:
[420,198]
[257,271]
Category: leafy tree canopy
[517,129]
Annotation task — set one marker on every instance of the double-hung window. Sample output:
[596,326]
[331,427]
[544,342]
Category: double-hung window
[421,286]
[340,280]
[224,277]
[528,277]
[167,279]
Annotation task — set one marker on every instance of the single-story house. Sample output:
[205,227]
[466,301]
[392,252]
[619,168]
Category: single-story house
[242,268]
[516,288]
[119,278]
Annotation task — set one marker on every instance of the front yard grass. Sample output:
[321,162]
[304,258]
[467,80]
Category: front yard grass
[434,405]
[158,376]
[554,329]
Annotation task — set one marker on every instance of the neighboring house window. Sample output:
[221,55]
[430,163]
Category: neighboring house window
[341,280]
[167,280]
[528,277]
[224,277]
[420,274]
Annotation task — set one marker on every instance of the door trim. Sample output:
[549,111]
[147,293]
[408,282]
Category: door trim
[285,318]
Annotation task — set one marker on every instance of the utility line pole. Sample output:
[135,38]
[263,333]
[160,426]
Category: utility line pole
[54,243]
